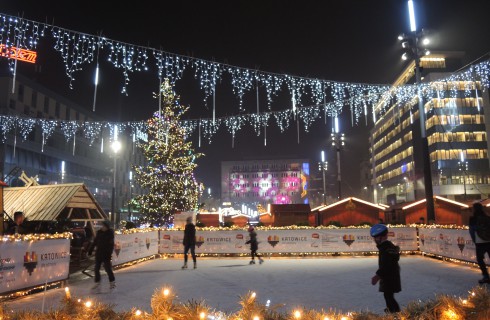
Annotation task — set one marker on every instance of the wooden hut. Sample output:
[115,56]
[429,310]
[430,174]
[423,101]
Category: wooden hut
[351,211]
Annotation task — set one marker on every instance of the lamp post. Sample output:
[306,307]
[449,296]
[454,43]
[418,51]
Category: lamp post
[322,166]
[463,167]
[116,146]
[413,43]
[130,194]
[337,139]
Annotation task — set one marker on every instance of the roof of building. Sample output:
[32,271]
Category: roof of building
[352,199]
[412,204]
[47,202]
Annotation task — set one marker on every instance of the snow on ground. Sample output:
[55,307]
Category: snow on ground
[342,283]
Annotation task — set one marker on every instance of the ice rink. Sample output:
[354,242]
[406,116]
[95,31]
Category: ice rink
[342,283]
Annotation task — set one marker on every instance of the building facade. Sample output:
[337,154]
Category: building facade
[456,132]
[59,160]
[265,182]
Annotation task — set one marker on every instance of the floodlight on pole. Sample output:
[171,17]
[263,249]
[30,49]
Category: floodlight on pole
[411,12]
[323,165]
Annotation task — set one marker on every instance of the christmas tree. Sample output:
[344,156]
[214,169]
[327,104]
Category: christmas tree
[168,177]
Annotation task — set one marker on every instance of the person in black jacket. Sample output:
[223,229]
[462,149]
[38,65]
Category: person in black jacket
[20,225]
[478,222]
[388,273]
[104,241]
[189,242]
[254,245]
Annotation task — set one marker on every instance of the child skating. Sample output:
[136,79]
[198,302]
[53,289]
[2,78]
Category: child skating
[254,245]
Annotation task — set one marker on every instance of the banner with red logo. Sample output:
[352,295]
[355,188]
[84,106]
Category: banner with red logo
[26,264]
[450,243]
[286,241]
[134,246]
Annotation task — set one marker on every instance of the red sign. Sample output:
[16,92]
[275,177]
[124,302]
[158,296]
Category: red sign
[17,53]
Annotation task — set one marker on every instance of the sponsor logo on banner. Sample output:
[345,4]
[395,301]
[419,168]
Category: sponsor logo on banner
[273,240]
[293,239]
[316,238]
[218,239]
[349,239]
[239,244]
[461,243]
[30,261]
[117,248]
[6,264]
[199,241]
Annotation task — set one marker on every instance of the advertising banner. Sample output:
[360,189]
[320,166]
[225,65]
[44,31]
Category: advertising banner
[286,241]
[450,243]
[134,246]
[25,264]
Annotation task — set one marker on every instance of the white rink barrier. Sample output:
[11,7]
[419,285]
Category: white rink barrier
[449,243]
[26,264]
[287,241]
[134,246]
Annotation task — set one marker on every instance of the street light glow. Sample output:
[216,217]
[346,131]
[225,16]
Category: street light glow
[336,125]
[411,12]
[426,41]
[116,146]
[323,156]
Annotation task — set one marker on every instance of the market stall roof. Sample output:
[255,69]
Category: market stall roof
[53,202]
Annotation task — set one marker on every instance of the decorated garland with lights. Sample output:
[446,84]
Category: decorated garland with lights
[322,97]
[168,177]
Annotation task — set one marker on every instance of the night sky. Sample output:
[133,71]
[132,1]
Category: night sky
[348,41]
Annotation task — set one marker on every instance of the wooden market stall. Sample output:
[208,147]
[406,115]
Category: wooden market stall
[351,211]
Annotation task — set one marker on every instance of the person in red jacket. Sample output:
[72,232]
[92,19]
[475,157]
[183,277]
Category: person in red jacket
[388,273]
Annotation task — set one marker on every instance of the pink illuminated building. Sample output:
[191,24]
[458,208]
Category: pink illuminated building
[265,181]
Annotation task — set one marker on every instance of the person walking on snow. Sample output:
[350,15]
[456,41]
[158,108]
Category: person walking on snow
[104,241]
[480,234]
[254,245]
[388,273]
[189,242]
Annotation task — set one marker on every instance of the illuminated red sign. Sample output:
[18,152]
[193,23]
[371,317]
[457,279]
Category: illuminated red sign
[17,53]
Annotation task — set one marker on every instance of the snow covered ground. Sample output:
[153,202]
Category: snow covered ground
[342,283]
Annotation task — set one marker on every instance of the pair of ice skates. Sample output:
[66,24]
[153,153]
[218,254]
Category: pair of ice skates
[185,265]
[97,287]
[260,261]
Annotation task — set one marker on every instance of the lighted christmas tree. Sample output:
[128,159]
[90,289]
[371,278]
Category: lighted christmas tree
[168,178]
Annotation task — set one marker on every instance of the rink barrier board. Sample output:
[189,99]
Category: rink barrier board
[27,264]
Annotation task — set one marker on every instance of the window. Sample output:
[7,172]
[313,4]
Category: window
[34,99]
[46,105]
[20,93]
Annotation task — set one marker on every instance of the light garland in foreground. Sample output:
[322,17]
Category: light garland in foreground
[37,237]
[164,305]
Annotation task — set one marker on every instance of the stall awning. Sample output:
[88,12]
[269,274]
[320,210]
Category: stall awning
[52,202]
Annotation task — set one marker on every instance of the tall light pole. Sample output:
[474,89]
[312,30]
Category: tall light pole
[323,165]
[116,146]
[413,43]
[130,194]
[338,143]
[463,167]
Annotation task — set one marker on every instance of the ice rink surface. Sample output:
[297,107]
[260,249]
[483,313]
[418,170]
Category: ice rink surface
[341,283]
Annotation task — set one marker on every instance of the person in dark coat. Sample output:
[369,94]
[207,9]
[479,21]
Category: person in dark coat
[254,245]
[482,244]
[104,241]
[19,226]
[189,242]
[388,273]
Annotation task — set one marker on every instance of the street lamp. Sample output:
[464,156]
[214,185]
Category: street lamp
[338,139]
[130,194]
[116,146]
[322,166]
[414,43]
[463,167]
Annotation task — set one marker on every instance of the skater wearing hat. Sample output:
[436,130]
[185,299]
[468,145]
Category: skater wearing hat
[388,273]
[254,245]
[104,241]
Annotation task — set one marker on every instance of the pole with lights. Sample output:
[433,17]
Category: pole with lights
[322,166]
[463,167]
[414,43]
[116,146]
[338,139]
[130,194]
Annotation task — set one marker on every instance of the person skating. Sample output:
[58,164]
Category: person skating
[480,234]
[254,245]
[388,273]
[189,242]
[104,241]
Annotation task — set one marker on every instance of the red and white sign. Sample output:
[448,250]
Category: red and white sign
[18,54]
